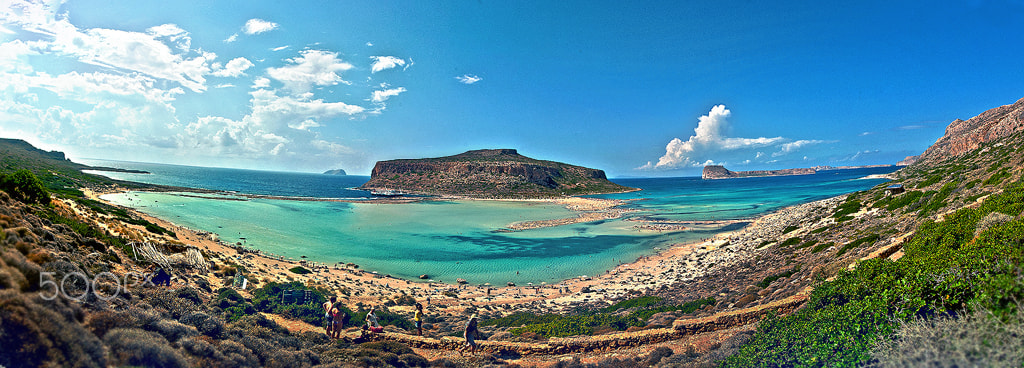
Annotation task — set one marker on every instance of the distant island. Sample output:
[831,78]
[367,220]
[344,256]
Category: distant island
[335,172]
[720,172]
[489,173]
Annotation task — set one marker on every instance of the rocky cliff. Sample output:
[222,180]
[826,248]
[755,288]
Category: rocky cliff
[963,136]
[492,173]
[720,172]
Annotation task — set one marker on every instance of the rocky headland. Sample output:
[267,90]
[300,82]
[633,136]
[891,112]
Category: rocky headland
[720,172]
[490,173]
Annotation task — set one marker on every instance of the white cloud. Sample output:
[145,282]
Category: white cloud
[383,95]
[369,44]
[279,48]
[149,53]
[381,63]
[232,38]
[234,68]
[796,145]
[224,85]
[257,26]
[710,143]
[468,79]
[312,68]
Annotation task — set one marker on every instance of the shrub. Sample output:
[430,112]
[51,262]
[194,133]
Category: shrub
[131,346]
[975,339]
[856,243]
[44,333]
[204,323]
[300,270]
[25,187]
[790,241]
[770,279]
[790,228]
[822,246]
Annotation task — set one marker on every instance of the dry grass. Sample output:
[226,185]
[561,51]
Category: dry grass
[977,339]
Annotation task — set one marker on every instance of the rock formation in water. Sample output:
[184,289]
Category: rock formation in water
[335,172]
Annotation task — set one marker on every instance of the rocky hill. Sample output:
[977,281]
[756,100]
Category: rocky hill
[490,173]
[720,172]
[965,136]
[335,172]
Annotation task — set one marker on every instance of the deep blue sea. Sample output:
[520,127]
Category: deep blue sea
[458,239]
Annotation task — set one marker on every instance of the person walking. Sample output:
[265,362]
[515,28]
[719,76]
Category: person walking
[419,319]
[470,334]
[328,305]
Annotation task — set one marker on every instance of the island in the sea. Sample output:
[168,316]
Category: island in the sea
[335,172]
[489,173]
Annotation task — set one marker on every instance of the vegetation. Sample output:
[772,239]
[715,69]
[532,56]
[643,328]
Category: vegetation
[870,239]
[946,269]
[770,279]
[555,325]
[789,242]
[24,186]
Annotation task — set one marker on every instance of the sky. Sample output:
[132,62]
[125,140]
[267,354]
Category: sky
[638,89]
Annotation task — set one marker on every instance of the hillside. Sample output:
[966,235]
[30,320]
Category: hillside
[494,173]
[58,173]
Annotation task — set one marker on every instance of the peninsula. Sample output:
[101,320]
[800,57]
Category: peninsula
[490,173]
[720,172]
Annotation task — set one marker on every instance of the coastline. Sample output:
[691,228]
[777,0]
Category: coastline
[678,262]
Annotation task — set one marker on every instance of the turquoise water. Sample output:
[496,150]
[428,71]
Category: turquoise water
[457,239]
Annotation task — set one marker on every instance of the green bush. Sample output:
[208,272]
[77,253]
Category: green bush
[790,241]
[851,206]
[555,325]
[870,239]
[790,228]
[24,186]
[300,270]
[770,279]
[639,302]
[822,246]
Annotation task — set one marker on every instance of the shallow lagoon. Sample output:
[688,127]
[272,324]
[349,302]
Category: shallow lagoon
[457,239]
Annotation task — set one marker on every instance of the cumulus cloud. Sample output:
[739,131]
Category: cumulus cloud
[311,68]
[468,79]
[234,68]
[710,140]
[257,26]
[383,95]
[381,63]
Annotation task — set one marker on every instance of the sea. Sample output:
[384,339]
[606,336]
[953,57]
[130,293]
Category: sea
[452,239]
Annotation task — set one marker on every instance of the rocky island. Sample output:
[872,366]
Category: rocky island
[489,173]
[335,172]
[720,172]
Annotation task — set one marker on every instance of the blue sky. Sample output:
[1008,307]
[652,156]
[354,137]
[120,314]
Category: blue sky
[634,88]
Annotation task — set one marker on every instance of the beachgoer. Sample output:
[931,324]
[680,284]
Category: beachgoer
[419,319]
[338,320]
[328,305]
[470,334]
[371,319]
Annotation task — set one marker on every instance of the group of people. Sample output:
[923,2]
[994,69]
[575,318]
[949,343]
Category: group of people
[336,321]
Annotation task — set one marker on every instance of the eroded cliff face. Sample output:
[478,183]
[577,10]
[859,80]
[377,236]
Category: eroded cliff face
[963,136]
[498,173]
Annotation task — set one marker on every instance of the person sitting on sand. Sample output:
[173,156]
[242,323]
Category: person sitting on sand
[470,334]
[419,319]
[328,305]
